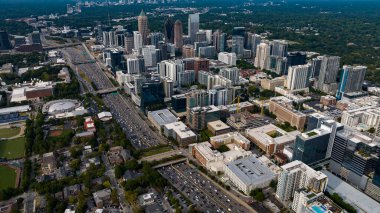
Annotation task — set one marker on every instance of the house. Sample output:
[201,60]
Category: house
[102,197]
[117,155]
[89,124]
[105,116]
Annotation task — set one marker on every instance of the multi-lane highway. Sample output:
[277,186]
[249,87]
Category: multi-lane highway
[136,129]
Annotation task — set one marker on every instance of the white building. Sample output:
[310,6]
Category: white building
[150,55]
[297,175]
[171,69]
[180,132]
[249,173]
[231,74]
[297,77]
[362,118]
[262,55]
[227,58]
[138,40]
[135,65]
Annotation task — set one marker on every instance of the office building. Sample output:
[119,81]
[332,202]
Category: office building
[206,52]
[143,27]
[129,42]
[198,117]
[193,26]
[283,108]
[169,30]
[149,53]
[227,138]
[351,80]
[355,158]
[231,74]
[135,65]
[171,69]
[137,41]
[315,66]
[271,84]
[238,45]
[298,77]
[256,40]
[362,118]
[151,93]
[270,138]
[218,127]
[221,95]
[277,64]
[279,48]
[180,132]
[201,64]
[178,34]
[159,118]
[188,51]
[178,102]
[262,55]
[227,58]
[328,74]
[109,38]
[168,87]
[186,78]
[249,173]
[197,98]
[200,36]
[297,175]
[296,58]
[155,38]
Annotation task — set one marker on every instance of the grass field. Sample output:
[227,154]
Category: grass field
[156,151]
[12,149]
[9,132]
[8,177]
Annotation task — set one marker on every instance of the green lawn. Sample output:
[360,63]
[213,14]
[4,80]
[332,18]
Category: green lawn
[9,132]
[156,151]
[12,149]
[8,177]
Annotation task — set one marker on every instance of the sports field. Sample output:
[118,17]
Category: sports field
[8,177]
[9,132]
[12,149]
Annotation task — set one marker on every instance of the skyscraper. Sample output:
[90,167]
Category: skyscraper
[137,40]
[143,27]
[352,80]
[178,34]
[262,55]
[256,40]
[279,48]
[193,25]
[328,73]
[169,30]
[298,77]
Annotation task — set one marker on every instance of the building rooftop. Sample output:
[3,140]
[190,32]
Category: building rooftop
[180,129]
[8,110]
[218,125]
[270,134]
[358,199]
[250,170]
[231,137]
[297,165]
[162,117]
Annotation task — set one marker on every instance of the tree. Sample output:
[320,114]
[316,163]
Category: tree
[372,130]
[273,184]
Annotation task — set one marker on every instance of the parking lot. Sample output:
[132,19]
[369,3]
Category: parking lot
[202,192]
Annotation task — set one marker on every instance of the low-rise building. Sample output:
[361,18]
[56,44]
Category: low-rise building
[89,124]
[105,116]
[228,138]
[249,173]
[160,118]
[180,132]
[218,127]
[117,155]
[270,138]
[271,84]
[282,107]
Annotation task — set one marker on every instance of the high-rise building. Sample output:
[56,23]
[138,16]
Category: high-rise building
[193,25]
[119,39]
[135,65]
[277,64]
[231,74]
[256,40]
[201,64]
[143,27]
[137,40]
[188,51]
[227,58]
[169,30]
[152,93]
[315,66]
[296,58]
[297,175]
[279,48]
[238,45]
[129,42]
[168,87]
[355,158]
[150,55]
[109,38]
[351,80]
[298,77]
[154,38]
[171,69]
[186,77]
[262,55]
[178,34]
[206,52]
[200,36]
[238,31]
[328,73]
[197,98]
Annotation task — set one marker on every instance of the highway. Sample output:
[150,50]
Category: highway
[125,113]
